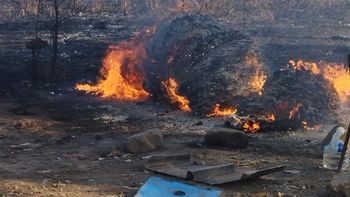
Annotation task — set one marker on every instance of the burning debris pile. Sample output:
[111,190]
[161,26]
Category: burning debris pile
[206,59]
[209,70]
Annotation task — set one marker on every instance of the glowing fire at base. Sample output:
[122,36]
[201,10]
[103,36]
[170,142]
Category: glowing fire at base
[251,126]
[172,88]
[122,74]
[219,112]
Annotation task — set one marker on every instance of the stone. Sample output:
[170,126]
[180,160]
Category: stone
[340,185]
[226,137]
[146,141]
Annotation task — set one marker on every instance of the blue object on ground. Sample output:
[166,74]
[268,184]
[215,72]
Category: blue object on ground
[158,187]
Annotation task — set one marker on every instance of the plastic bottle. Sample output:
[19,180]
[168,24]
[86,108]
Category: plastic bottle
[332,151]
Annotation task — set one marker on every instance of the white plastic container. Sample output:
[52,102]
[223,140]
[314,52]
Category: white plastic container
[333,150]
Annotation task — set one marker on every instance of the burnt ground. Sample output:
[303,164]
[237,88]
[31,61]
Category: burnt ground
[50,137]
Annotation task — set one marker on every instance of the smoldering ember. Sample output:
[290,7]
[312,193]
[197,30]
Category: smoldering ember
[161,98]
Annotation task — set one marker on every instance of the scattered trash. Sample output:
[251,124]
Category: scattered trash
[332,150]
[158,187]
[181,166]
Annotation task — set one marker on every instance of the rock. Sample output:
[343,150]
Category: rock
[226,137]
[340,185]
[144,142]
[108,146]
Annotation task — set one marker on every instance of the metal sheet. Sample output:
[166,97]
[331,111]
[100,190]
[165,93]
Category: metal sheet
[182,166]
[158,187]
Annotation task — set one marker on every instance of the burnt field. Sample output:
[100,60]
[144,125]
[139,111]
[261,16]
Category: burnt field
[279,78]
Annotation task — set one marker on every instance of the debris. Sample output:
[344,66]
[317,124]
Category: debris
[144,142]
[226,137]
[182,166]
[158,187]
[340,185]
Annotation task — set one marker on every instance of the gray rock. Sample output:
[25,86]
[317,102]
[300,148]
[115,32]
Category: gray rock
[340,185]
[226,137]
[108,146]
[144,142]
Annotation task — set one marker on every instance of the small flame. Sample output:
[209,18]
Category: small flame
[294,111]
[306,126]
[172,88]
[259,79]
[270,118]
[218,111]
[251,126]
[305,65]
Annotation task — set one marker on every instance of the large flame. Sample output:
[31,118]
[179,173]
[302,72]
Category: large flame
[336,74]
[339,76]
[259,78]
[219,111]
[122,73]
[172,88]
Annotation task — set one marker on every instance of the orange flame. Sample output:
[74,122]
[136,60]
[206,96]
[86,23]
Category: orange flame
[306,126]
[270,118]
[305,65]
[122,73]
[259,79]
[336,74]
[218,111]
[294,111]
[251,126]
[172,88]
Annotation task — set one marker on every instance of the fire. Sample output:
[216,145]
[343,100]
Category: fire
[122,74]
[294,111]
[306,65]
[339,76]
[336,74]
[259,79]
[306,126]
[172,88]
[258,82]
[218,111]
[251,126]
[270,118]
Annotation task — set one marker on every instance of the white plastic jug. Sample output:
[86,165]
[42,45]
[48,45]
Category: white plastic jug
[333,150]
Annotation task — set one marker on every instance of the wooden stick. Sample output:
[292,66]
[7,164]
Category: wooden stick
[342,156]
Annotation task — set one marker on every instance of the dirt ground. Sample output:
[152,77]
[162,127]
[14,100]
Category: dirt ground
[50,147]
[51,138]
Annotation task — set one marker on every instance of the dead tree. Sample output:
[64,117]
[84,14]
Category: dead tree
[35,45]
[59,11]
